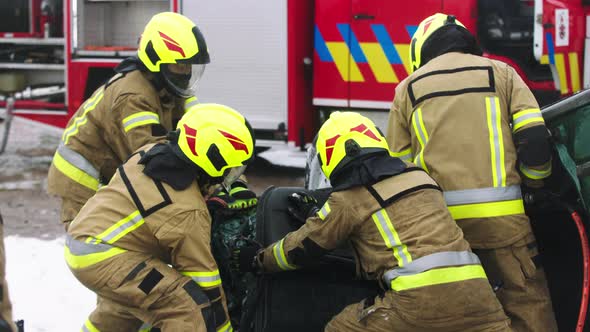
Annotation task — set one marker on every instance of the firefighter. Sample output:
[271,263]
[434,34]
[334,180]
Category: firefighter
[395,217]
[475,127]
[137,106]
[142,243]
[6,323]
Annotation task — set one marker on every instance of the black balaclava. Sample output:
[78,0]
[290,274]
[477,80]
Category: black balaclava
[162,164]
[167,163]
[366,170]
[449,38]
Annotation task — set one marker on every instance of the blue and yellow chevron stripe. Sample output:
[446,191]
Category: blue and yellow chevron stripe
[559,61]
[349,53]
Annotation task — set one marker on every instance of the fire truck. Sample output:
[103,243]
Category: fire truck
[287,64]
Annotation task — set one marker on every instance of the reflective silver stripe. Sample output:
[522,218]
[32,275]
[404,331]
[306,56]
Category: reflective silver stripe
[535,174]
[324,211]
[91,103]
[79,248]
[395,245]
[122,228]
[85,329]
[190,102]
[199,280]
[432,261]
[129,123]
[526,117]
[482,195]
[419,126]
[496,139]
[407,157]
[145,327]
[78,161]
[280,256]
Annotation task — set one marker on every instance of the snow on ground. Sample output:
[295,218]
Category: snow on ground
[285,155]
[43,290]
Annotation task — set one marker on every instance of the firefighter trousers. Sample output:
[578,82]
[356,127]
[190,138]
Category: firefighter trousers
[134,287]
[522,286]
[383,317]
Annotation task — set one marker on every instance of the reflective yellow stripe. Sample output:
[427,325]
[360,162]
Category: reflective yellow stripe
[79,262]
[560,66]
[280,256]
[487,210]
[405,155]
[74,173]
[89,327]
[88,106]
[574,71]
[391,238]
[404,49]
[535,174]
[121,228]
[422,135]
[189,103]
[225,328]
[204,279]
[324,211]
[347,67]
[496,141]
[378,62]
[438,276]
[145,327]
[523,118]
[140,119]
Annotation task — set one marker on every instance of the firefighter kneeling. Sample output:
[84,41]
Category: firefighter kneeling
[395,217]
[142,243]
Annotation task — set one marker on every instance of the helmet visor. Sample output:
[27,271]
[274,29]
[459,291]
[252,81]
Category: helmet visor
[182,78]
[231,177]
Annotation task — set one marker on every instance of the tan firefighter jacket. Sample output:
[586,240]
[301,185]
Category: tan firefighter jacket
[120,117]
[455,117]
[136,213]
[402,236]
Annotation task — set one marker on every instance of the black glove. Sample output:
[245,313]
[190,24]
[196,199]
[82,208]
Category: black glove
[239,198]
[244,259]
[302,206]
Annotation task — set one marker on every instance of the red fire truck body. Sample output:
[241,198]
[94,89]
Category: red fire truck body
[285,63]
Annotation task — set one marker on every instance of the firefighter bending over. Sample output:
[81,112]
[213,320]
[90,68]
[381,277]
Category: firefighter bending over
[137,106]
[142,243]
[475,127]
[395,217]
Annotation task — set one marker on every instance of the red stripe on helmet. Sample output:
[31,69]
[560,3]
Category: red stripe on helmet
[237,143]
[171,44]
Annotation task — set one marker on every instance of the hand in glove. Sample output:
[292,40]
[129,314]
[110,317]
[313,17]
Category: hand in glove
[239,198]
[302,206]
[244,259]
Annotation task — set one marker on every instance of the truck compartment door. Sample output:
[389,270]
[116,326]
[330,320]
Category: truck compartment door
[559,38]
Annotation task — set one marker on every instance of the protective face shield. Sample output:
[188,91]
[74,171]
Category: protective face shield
[182,78]
[233,174]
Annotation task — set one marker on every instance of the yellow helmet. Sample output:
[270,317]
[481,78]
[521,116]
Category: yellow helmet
[344,137]
[216,138]
[425,30]
[172,44]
